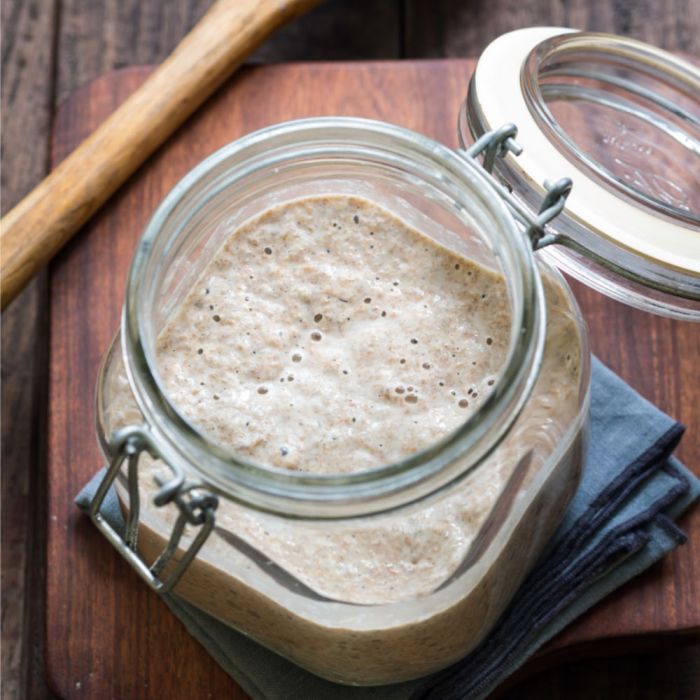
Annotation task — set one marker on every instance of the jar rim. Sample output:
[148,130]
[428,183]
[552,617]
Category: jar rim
[565,55]
[393,485]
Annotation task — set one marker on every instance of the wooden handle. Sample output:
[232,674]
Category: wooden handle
[52,212]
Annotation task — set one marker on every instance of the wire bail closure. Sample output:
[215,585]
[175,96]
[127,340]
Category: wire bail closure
[497,144]
[197,508]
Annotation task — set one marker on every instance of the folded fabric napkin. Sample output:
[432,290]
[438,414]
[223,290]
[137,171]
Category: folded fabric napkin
[619,523]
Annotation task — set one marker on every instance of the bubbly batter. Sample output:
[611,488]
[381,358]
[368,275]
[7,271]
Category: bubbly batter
[329,336]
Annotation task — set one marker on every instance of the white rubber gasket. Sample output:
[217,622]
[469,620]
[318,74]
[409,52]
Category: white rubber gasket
[501,98]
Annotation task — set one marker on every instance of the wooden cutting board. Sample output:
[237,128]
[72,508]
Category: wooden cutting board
[108,636]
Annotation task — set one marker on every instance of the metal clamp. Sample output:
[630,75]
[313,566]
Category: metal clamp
[196,507]
[497,144]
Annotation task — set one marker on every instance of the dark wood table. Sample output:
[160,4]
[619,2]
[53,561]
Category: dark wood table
[52,46]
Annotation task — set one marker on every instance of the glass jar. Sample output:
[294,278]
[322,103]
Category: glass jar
[394,572]
[511,467]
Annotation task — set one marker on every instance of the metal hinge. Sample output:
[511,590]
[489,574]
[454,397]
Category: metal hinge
[197,508]
[497,144]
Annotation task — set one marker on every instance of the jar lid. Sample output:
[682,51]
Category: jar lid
[622,120]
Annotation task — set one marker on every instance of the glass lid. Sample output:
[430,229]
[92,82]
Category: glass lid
[622,120]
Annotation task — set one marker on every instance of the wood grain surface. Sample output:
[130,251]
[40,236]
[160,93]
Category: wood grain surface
[121,640]
[442,28]
[27,106]
[49,48]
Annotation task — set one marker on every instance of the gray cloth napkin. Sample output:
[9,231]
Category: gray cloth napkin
[619,523]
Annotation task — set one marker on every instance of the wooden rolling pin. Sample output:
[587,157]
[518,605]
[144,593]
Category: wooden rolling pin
[35,230]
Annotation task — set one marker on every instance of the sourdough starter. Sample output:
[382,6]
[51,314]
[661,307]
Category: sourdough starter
[329,336]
